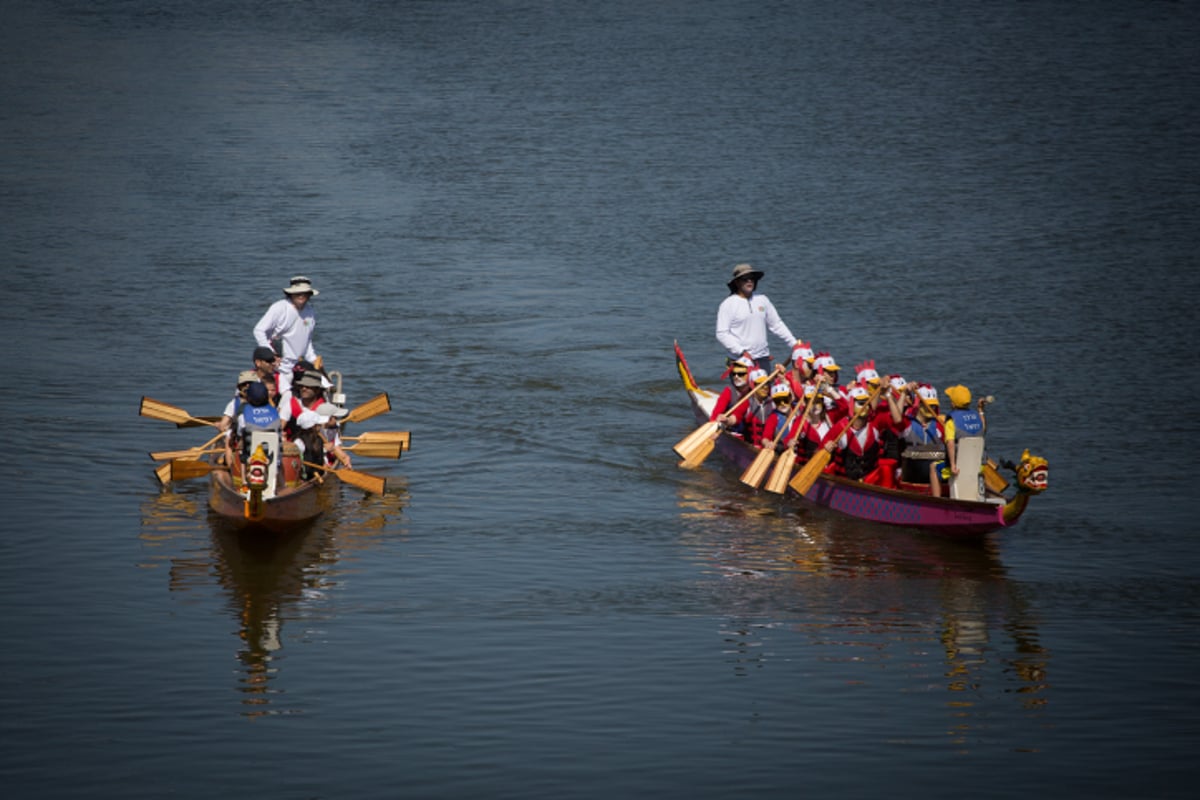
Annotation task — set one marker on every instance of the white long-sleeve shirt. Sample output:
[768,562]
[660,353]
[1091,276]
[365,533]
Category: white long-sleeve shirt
[742,325]
[293,328]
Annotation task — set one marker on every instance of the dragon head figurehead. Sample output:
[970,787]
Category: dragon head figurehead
[1033,474]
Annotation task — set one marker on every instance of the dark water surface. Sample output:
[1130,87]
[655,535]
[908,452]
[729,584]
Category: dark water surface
[511,210]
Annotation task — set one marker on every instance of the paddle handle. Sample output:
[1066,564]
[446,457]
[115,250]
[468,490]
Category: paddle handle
[774,373]
[808,408]
[786,424]
[870,402]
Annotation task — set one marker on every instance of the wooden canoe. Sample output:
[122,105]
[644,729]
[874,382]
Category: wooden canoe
[287,510]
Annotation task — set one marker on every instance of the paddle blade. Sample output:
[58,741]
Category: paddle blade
[688,444]
[809,473]
[403,437]
[377,449]
[363,480]
[698,454]
[754,474]
[156,409]
[182,469]
[992,478]
[164,411]
[380,404]
[778,481]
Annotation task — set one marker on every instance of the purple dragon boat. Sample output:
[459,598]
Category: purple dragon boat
[998,503]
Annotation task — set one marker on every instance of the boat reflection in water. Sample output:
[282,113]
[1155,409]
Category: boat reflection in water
[870,602]
[266,579]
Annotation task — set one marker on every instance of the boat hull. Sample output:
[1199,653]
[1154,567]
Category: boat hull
[941,515]
[288,510]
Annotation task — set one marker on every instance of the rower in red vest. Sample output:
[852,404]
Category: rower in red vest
[309,394]
[782,399]
[758,407]
[860,446]
[824,363]
[739,385]
[802,370]
[882,416]
[818,431]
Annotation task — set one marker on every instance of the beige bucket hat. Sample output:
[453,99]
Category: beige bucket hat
[742,271]
[299,285]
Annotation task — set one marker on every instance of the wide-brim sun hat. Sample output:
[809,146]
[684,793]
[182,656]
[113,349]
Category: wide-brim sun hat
[331,410]
[300,285]
[312,379]
[247,376]
[744,271]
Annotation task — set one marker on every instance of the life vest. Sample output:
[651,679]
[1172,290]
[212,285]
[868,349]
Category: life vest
[813,439]
[781,429]
[929,433]
[966,422]
[291,429]
[861,453]
[263,418]
[755,420]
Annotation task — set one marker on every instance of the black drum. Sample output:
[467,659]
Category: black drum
[915,461]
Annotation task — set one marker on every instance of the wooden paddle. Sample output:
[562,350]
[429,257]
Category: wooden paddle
[696,446]
[368,449]
[754,474]
[379,404]
[777,483]
[809,473]
[363,480]
[184,468]
[157,409]
[403,437]
[377,449]
[192,452]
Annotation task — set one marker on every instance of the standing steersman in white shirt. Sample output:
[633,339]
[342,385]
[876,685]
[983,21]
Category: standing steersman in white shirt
[744,318]
[291,321]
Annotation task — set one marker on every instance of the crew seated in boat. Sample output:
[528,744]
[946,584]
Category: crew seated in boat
[894,400]
[802,370]
[303,367]
[887,421]
[782,400]
[309,393]
[825,365]
[923,459]
[256,414]
[319,438]
[758,408]
[266,364]
[298,413]
[233,408]
[962,423]
[818,431]
[860,446]
[739,385]
[330,417]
